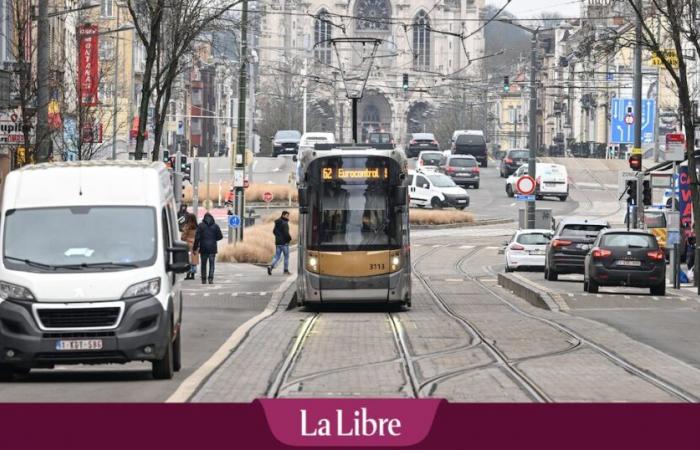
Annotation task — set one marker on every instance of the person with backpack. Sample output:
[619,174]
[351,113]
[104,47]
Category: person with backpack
[205,242]
[282,240]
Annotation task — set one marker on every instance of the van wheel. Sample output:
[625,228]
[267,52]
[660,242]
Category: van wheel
[177,353]
[509,191]
[435,203]
[163,369]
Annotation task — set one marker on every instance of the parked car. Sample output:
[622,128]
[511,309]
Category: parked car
[429,161]
[106,289]
[572,240]
[380,138]
[626,258]
[471,143]
[418,142]
[512,160]
[286,142]
[527,249]
[464,170]
[308,140]
[435,190]
[550,180]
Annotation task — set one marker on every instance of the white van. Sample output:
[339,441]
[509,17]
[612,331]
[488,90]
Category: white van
[88,275]
[308,140]
[552,181]
[435,190]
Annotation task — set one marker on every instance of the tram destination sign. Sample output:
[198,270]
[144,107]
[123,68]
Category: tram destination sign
[365,173]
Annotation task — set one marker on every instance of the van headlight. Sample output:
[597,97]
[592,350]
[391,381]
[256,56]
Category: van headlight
[312,263]
[9,290]
[144,288]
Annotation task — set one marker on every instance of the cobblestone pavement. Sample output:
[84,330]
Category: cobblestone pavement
[464,339]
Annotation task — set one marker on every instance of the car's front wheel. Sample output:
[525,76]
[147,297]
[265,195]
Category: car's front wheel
[592,286]
[435,203]
[659,290]
[509,190]
[550,275]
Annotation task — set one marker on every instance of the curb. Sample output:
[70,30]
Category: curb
[191,384]
[527,291]
[476,223]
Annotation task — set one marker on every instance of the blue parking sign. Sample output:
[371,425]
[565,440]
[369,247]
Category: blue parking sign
[621,130]
[234,221]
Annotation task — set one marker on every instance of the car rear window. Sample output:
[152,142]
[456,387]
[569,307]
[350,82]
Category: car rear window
[534,239]
[581,230]
[655,219]
[462,162]
[380,138]
[629,240]
[432,159]
[519,154]
[470,139]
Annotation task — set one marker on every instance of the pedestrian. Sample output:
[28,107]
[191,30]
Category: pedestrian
[181,216]
[207,235]
[690,253]
[282,240]
[189,231]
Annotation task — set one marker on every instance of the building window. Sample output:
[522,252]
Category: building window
[106,50]
[196,97]
[106,8]
[421,41]
[104,92]
[322,36]
[377,15]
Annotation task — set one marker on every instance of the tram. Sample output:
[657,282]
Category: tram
[354,242]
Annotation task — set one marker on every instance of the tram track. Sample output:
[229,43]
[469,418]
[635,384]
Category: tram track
[617,360]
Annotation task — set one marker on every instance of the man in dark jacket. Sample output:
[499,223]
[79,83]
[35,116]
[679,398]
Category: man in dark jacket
[282,240]
[208,234]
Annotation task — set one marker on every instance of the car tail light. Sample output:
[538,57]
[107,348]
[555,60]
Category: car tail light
[475,170]
[517,247]
[413,142]
[450,170]
[508,161]
[558,243]
[656,255]
[601,253]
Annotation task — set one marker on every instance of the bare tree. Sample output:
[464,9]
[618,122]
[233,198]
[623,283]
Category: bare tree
[168,29]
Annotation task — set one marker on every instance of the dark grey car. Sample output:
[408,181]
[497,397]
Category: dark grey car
[286,142]
[464,170]
[511,161]
[420,142]
[566,252]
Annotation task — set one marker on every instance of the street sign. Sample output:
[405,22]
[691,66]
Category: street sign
[670,55]
[525,185]
[238,179]
[267,197]
[234,221]
[675,147]
[524,198]
[622,121]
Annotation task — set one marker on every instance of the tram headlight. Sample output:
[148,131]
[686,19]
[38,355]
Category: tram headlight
[312,263]
[395,263]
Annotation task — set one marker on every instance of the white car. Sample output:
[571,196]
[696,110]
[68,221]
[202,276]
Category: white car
[551,180]
[527,248]
[308,140]
[435,190]
[429,161]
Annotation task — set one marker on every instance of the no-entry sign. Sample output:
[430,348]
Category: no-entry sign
[525,185]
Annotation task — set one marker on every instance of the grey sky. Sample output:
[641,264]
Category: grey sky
[533,8]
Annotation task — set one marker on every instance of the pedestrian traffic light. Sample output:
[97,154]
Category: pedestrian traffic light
[636,162]
[632,192]
[646,193]
[187,172]
[166,156]
[405,82]
[506,84]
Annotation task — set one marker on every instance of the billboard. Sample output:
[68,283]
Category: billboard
[686,199]
[11,126]
[88,64]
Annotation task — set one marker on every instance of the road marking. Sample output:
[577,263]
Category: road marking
[262,294]
[684,299]
[627,297]
[571,295]
[466,247]
[454,280]
[191,383]
[492,248]
[437,246]
[655,298]
[599,295]
[234,294]
[513,204]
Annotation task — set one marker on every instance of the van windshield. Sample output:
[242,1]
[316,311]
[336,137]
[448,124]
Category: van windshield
[87,238]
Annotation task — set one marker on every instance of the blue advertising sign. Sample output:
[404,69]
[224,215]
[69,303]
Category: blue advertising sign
[686,200]
[234,221]
[622,121]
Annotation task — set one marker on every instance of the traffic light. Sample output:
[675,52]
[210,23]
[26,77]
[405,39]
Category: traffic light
[632,192]
[636,162]
[506,84]
[646,193]
[405,82]
[166,156]
[186,169]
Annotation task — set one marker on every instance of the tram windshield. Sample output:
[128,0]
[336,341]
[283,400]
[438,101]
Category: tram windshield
[353,211]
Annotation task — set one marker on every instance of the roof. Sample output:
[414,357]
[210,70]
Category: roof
[624,230]
[583,221]
[91,163]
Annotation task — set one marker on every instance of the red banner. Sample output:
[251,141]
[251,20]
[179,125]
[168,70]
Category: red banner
[88,64]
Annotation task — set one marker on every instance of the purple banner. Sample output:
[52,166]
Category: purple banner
[686,200]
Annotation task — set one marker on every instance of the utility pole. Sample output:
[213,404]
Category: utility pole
[532,162]
[637,149]
[42,139]
[114,91]
[239,158]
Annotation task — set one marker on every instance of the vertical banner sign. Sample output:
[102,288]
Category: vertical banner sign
[88,64]
[686,201]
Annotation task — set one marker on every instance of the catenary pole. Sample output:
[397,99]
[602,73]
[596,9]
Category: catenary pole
[42,138]
[532,161]
[637,149]
[239,160]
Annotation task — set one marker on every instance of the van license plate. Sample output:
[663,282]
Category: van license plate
[629,263]
[461,201]
[73,345]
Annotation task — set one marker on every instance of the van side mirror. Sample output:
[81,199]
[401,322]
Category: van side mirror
[295,158]
[179,257]
[400,195]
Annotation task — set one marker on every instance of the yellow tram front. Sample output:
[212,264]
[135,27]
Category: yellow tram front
[354,235]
